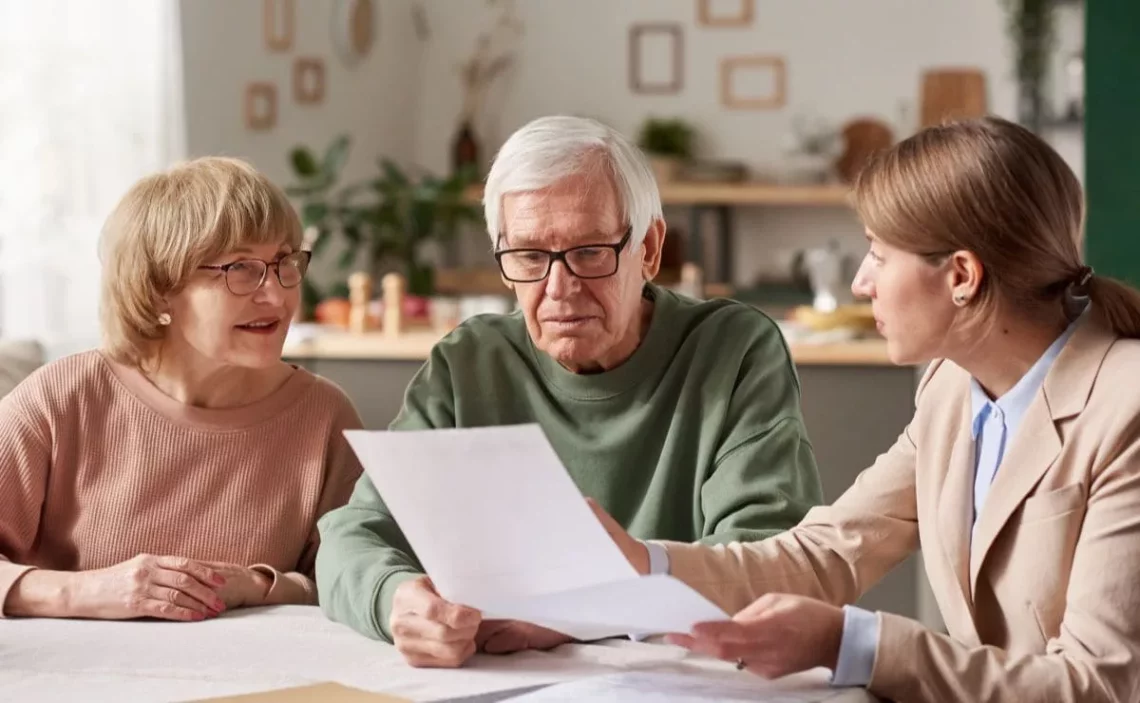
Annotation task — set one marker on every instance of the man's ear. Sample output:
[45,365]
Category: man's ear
[651,248]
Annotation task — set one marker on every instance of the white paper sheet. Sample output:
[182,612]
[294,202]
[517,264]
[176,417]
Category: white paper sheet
[640,687]
[500,526]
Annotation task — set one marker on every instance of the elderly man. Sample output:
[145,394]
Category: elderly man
[680,418]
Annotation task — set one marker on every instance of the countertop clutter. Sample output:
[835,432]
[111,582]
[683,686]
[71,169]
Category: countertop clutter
[388,334]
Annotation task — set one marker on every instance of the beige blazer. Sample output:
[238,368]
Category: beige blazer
[1045,605]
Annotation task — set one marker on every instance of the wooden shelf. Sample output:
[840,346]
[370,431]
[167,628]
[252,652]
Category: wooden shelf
[697,193]
[416,345]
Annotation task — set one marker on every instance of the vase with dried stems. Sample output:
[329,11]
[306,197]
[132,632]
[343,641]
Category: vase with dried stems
[492,57]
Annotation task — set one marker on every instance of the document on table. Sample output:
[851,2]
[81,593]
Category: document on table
[500,526]
[638,687]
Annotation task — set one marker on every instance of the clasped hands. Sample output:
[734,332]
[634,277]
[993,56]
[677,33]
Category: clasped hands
[775,636]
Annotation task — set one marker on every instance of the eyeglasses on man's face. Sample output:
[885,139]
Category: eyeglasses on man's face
[586,261]
[247,275]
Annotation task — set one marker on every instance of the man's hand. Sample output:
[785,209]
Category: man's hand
[507,636]
[633,550]
[429,631]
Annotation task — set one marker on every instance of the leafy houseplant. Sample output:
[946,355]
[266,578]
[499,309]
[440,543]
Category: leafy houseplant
[1031,28]
[668,143]
[387,217]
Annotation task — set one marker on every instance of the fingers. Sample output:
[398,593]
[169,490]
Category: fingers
[612,526]
[428,654]
[727,630]
[193,568]
[180,600]
[189,586]
[488,629]
[457,617]
[161,607]
[417,627]
[506,642]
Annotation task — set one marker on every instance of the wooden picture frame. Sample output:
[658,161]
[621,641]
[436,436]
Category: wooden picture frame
[260,106]
[709,16]
[774,99]
[308,80]
[279,24]
[639,36]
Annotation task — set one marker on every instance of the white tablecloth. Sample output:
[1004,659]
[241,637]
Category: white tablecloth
[263,649]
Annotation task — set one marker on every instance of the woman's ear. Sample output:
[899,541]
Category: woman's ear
[964,276]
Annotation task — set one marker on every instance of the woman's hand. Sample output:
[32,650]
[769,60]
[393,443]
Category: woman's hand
[509,636]
[169,588]
[244,587]
[775,636]
[634,551]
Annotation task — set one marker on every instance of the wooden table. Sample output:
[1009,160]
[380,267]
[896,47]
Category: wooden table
[272,648]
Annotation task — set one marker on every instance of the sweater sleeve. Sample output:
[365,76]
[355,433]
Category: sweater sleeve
[342,470]
[364,556]
[764,478]
[25,460]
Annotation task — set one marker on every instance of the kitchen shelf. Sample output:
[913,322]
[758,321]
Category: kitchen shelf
[748,193]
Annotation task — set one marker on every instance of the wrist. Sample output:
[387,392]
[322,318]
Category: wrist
[260,583]
[45,594]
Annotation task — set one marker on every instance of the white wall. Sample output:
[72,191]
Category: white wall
[844,59]
[373,101]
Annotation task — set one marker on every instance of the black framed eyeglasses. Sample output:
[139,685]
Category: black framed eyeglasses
[585,261]
[246,276]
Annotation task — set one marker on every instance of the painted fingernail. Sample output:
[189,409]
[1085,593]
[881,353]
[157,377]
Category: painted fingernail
[219,606]
[197,617]
[219,579]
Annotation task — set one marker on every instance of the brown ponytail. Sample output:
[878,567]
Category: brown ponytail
[1115,304]
[996,189]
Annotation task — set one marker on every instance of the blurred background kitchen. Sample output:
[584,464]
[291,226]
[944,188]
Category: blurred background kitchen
[381,116]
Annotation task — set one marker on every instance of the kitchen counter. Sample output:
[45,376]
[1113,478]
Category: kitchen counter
[415,345]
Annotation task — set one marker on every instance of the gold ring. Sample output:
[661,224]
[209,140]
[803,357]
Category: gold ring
[740,665]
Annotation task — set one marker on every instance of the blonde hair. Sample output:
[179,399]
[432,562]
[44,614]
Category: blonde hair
[996,189]
[165,227]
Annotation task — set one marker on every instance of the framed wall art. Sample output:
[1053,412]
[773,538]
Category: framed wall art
[656,58]
[260,106]
[725,13]
[279,23]
[308,80]
[753,82]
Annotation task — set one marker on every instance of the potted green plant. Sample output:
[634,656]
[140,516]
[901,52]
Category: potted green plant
[386,218]
[1031,27]
[669,145]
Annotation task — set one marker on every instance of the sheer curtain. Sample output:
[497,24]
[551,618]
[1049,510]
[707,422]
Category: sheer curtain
[90,101]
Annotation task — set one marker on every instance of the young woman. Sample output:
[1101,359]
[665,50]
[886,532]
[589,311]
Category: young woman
[180,470]
[1019,476]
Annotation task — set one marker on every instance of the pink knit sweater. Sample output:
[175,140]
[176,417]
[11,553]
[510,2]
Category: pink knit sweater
[98,466]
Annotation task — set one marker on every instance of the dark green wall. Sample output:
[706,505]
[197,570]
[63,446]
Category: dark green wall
[1112,136]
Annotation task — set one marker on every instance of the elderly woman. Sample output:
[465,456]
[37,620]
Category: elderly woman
[1019,475]
[180,470]
[681,417]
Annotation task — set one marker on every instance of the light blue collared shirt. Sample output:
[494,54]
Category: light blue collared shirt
[994,425]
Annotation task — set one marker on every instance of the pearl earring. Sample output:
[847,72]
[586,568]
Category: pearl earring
[960,299]
[164,319]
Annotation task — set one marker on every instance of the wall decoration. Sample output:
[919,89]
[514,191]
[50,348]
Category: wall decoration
[656,58]
[308,80]
[260,106]
[725,13]
[493,57]
[354,29]
[862,138]
[279,24]
[952,94]
[753,82]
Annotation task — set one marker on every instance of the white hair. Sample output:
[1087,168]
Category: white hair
[547,150]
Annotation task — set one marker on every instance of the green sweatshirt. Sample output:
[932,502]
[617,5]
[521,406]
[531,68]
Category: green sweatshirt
[698,436]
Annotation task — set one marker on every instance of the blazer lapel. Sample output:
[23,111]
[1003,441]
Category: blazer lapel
[1032,452]
[955,507]
[1038,442]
